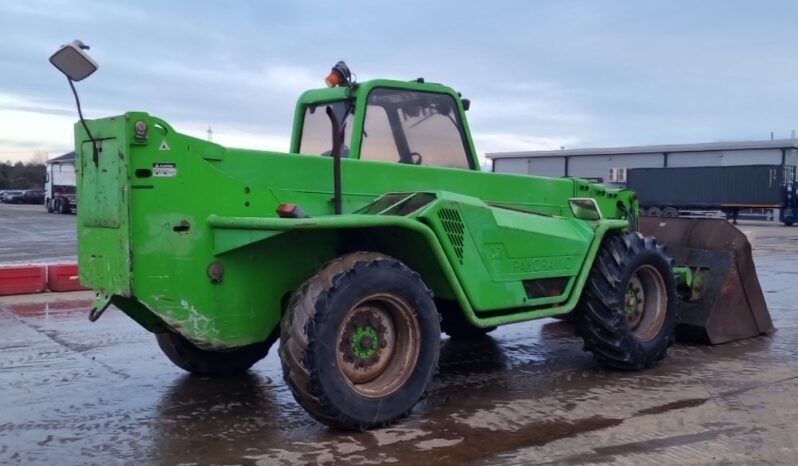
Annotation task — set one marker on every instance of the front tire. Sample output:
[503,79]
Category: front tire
[627,313]
[198,361]
[360,341]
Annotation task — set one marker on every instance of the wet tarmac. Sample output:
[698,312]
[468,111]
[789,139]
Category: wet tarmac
[72,392]
[29,234]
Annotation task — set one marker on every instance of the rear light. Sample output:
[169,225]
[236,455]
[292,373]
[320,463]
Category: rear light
[291,211]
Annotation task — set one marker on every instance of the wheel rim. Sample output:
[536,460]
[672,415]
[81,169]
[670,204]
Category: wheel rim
[378,345]
[646,302]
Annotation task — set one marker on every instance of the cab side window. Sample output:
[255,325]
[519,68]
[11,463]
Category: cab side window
[317,128]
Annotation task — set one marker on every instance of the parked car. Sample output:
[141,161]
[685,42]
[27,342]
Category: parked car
[33,196]
[11,196]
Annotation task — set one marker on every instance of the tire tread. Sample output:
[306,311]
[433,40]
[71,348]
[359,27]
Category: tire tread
[600,318]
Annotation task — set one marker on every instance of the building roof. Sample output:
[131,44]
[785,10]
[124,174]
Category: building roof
[669,148]
[69,157]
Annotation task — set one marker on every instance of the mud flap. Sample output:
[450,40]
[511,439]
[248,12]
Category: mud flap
[727,303]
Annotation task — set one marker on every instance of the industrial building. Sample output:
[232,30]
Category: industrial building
[609,164]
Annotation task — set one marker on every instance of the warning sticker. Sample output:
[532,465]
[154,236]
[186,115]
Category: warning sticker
[164,145]
[164,169]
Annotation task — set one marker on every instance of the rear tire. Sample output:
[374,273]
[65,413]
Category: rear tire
[455,324]
[569,317]
[198,361]
[360,341]
[670,212]
[789,223]
[627,313]
[654,212]
[63,206]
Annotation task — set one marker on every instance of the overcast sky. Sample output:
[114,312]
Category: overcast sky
[540,74]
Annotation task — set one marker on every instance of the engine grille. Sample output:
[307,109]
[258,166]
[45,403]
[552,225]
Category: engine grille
[455,230]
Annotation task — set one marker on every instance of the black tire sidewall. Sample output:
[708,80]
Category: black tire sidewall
[382,277]
[198,361]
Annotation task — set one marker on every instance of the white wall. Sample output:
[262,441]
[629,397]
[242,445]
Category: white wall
[598,166]
[540,166]
[510,166]
[725,158]
[547,166]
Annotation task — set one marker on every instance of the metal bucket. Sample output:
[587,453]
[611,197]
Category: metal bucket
[727,303]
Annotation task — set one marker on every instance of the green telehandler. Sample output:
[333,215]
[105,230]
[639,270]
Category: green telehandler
[373,235]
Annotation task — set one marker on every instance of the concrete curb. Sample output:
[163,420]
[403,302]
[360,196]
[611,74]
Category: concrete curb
[19,279]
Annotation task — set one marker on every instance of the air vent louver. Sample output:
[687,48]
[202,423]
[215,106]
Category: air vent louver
[455,230]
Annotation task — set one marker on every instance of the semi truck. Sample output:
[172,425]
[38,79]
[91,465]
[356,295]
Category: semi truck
[60,193]
[669,192]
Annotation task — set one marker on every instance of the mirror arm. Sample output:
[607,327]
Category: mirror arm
[95,154]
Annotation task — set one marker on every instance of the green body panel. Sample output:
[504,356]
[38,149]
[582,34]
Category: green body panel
[182,233]
[104,223]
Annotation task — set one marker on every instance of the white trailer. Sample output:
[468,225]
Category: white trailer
[59,185]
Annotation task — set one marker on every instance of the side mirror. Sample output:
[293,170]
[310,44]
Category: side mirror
[71,60]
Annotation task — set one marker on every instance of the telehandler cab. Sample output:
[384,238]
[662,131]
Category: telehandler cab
[373,235]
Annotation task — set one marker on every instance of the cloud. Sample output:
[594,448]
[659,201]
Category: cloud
[26,132]
[68,10]
[235,137]
[539,74]
[500,142]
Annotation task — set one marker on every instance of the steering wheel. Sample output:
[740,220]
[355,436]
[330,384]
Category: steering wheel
[418,158]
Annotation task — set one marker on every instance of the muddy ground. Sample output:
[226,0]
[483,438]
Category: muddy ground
[72,392]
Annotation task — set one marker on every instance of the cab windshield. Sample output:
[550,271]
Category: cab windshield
[414,127]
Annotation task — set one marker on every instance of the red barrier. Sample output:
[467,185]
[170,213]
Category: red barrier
[63,277]
[22,279]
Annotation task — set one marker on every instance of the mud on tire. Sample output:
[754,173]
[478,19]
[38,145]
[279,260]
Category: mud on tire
[359,342]
[198,361]
[627,313]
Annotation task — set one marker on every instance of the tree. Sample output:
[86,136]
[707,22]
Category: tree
[39,157]
[22,175]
